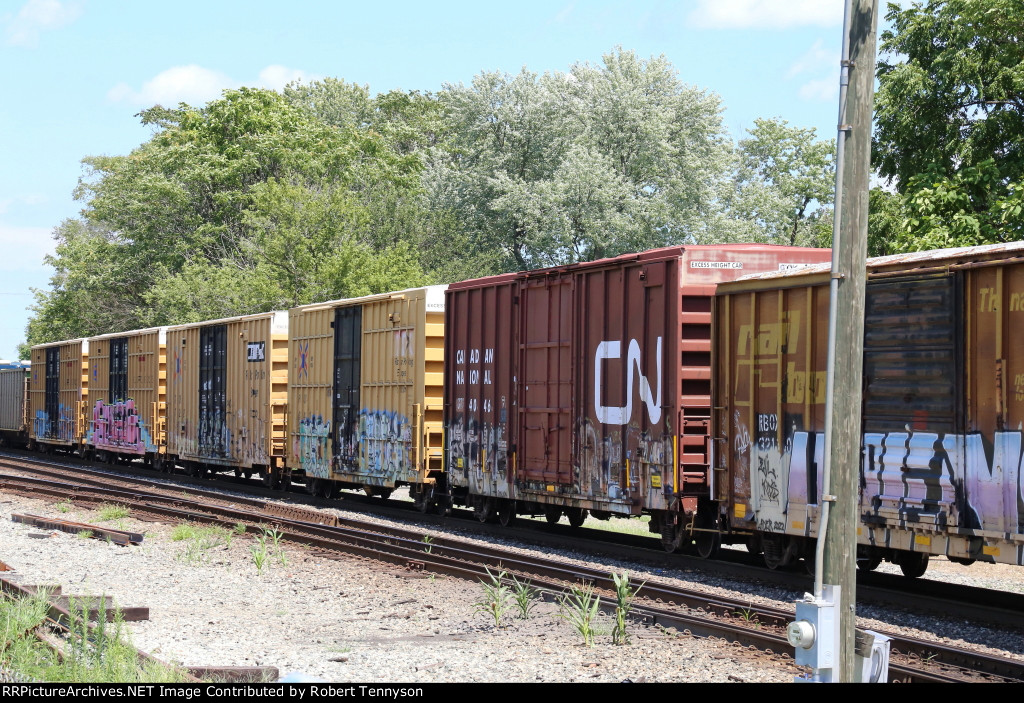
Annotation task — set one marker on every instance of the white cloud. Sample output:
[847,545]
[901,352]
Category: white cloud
[182,84]
[816,59]
[25,247]
[196,85]
[30,199]
[276,77]
[766,14]
[37,16]
[821,89]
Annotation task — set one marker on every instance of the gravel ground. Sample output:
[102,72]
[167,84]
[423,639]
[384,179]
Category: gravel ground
[362,621]
[342,620]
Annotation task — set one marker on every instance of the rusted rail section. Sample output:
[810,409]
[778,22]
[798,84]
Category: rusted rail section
[120,537]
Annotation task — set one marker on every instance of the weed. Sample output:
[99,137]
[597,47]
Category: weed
[624,595]
[497,598]
[113,512]
[525,596]
[276,536]
[64,505]
[84,534]
[579,608]
[339,649]
[103,655]
[429,541]
[431,577]
[749,616]
[259,553]
[239,528]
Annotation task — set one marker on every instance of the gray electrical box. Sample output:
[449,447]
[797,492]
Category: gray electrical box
[871,662]
[814,634]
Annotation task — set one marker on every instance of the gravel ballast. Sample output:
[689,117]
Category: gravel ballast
[343,621]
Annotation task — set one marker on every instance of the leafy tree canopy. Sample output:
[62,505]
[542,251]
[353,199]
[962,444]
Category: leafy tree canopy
[950,120]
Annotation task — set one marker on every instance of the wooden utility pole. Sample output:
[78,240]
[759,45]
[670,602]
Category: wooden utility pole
[848,269]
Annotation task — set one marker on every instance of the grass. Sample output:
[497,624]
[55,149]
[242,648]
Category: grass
[84,534]
[113,512]
[104,655]
[199,540]
[63,506]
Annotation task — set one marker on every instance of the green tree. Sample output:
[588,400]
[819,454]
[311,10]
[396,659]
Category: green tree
[786,183]
[555,168]
[950,119]
[206,219]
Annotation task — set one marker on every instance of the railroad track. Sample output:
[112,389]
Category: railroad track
[1001,609]
[670,607]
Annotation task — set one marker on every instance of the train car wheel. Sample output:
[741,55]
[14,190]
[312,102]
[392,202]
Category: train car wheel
[708,544]
[552,513]
[913,564]
[869,564]
[671,535]
[778,550]
[483,509]
[313,486]
[423,497]
[506,512]
[271,480]
[577,516]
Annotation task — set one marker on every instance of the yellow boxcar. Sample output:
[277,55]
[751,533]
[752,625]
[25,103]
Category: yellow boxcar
[227,392]
[127,395]
[58,392]
[13,405]
[365,386]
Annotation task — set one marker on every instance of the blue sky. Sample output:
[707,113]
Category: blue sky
[76,72]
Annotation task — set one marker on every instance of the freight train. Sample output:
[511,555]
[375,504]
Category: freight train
[685,384]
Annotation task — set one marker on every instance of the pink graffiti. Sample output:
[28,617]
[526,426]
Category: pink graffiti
[117,425]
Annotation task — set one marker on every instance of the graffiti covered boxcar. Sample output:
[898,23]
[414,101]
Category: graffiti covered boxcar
[58,391]
[227,383]
[365,384]
[127,395]
[587,387]
[943,408]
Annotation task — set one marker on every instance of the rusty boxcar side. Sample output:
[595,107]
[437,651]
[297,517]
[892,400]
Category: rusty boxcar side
[127,395]
[227,393]
[365,386]
[587,387]
[58,391]
[943,408]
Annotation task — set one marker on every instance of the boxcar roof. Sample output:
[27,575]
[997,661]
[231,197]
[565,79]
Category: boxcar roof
[162,331]
[951,258]
[434,294]
[649,255]
[278,322]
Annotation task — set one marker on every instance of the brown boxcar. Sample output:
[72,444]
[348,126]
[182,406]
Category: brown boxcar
[227,393]
[13,403]
[942,412]
[587,387]
[128,395]
[365,385]
[58,391]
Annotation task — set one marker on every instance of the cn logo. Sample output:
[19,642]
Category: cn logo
[622,415]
